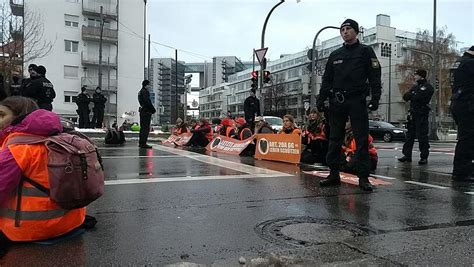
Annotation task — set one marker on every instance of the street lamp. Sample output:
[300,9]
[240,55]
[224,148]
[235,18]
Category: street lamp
[386,51]
[144,40]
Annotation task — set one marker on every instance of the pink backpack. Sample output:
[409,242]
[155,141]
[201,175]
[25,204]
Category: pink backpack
[76,176]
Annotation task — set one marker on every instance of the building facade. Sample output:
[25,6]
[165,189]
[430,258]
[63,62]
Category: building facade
[74,29]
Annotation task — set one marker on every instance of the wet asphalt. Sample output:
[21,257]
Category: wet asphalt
[169,206]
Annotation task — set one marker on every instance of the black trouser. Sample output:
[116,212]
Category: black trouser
[199,139]
[354,108]
[315,152]
[463,114]
[83,117]
[145,120]
[417,128]
[98,117]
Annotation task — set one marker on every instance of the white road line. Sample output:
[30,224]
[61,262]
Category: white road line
[191,178]
[136,156]
[425,184]
[469,193]
[220,162]
[383,177]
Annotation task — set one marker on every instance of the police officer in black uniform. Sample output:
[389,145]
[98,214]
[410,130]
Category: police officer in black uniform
[345,84]
[30,88]
[462,107]
[99,106]
[251,107]
[417,121]
[82,101]
[47,93]
[146,110]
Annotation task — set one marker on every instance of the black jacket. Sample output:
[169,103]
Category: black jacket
[47,93]
[251,107]
[145,101]
[463,75]
[99,100]
[419,96]
[349,68]
[83,101]
[31,87]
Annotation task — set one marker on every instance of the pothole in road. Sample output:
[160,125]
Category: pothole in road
[308,231]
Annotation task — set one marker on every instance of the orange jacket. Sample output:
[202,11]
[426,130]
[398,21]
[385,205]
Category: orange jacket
[295,131]
[38,216]
[372,150]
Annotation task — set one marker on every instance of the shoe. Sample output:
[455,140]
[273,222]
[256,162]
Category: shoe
[365,185]
[332,180]
[145,146]
[423,162]
[459,178]
[404,159]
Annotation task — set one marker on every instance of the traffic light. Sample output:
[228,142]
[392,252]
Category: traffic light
[266,76]
[254,79]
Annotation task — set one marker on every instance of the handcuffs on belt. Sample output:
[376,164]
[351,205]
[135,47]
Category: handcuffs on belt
[339,96]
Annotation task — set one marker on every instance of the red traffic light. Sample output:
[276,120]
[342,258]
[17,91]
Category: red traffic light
[255,74]
[266,76]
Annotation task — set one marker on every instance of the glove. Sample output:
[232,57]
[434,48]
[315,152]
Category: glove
[320,104]
[373,104]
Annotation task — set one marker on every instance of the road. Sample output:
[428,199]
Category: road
[168,206]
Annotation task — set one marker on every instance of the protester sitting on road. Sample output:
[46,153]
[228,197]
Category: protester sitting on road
[315,138]
[289,126]
[41,218]
[243,130]
[262,127]
[202,134]
[348,163]
[227,128]
[193,124]
[181,127]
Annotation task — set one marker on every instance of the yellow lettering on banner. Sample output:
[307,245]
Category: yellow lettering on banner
[273,144]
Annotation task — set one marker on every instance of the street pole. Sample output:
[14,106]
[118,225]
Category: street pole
[262,67]
[433,125]
[176,88]
[100,46]
[149,58]
[144,40]
[390,85]
[108,90]
[314,61]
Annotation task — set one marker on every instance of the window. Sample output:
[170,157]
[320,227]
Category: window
[71,46]
[96,23]
[71,71]
[69,98]
[72,1]
[71,21]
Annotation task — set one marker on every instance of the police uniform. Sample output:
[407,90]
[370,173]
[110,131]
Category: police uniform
[419,96]
[83,110]
[251,107]
[146,110]
[47,94]
[462,107]
[99,106]
[347,72]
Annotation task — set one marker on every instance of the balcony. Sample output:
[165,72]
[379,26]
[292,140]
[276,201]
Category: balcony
[87,59]
[92,82]
[93,34]
[17,7]
[92,8]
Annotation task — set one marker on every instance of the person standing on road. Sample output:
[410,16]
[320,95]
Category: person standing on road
[251,108]
[146,110]
[345,84]
[462,107]
[82,101]
[417,120]
[99,106]
[47,94]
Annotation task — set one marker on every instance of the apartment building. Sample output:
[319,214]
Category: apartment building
[74,28]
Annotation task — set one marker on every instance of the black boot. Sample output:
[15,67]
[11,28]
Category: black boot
[423,162]
[333,179]
[365,185]
[404,159]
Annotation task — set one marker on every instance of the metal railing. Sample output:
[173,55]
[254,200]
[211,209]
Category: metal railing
[93,33]
[92,82]
[92,7]
[88,59]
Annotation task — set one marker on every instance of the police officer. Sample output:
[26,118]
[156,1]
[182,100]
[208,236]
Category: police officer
[30,88]
[251,107]
[82,101]
[462,107]
[146,110]
[419,96]
[345,84]
[99,106]
[47,93]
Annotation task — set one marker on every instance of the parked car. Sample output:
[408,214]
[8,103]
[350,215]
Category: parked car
[386,131]
[275,122]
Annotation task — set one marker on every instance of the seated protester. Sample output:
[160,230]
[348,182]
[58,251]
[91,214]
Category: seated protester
[217,122]
[348,163]
[202,134]
[20,116]
[262,127]
[114,136]
[315,138]
[243,130]
[181,127]
[289,126]
[227,128]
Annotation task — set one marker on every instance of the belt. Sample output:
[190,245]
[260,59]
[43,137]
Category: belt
[342,94]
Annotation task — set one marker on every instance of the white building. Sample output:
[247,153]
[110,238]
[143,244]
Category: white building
[73,26]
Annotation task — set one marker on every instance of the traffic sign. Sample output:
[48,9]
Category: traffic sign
[260,53]
[306,105]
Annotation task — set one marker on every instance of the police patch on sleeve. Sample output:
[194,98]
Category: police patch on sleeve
[375,63]
[423,88]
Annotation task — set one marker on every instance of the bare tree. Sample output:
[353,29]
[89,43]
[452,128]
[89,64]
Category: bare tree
[274,96]
[447,55]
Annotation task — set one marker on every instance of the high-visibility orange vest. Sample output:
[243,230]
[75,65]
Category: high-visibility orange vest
[180,130]
[241,135]
[37,217]
[228,130]
[210,135]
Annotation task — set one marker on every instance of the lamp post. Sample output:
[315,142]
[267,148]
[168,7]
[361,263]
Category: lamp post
[264,61]
[386,50]
[314,61]
[144,40]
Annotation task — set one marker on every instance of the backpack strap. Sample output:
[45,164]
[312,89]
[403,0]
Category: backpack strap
[25,140]
[20,195]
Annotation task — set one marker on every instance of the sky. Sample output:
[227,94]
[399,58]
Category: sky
[202,29]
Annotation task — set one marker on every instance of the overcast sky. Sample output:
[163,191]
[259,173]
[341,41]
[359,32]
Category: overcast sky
[233,27]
